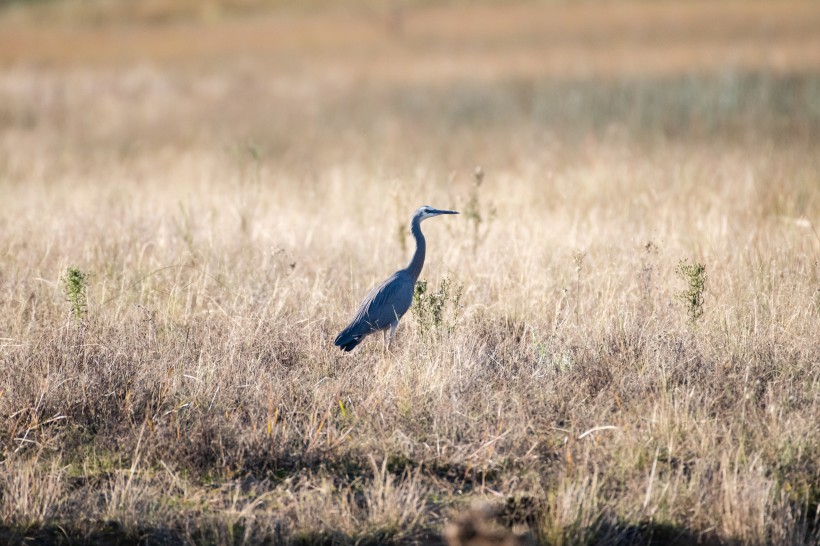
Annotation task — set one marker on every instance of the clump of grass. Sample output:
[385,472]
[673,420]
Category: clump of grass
[695,277]
[75,284]
[437,311]
[32,490]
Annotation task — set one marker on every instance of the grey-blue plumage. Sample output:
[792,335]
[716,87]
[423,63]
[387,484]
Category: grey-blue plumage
[384,306]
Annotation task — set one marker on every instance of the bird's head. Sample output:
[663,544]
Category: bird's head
[426,211]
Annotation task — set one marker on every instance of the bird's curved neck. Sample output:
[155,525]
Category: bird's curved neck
[414,268]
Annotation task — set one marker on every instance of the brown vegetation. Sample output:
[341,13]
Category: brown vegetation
[183,234]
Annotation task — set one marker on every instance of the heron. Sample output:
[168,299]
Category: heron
[384,305]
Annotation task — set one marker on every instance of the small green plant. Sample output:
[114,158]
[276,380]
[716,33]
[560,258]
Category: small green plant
[437,311]
[75,283]
[472,211]
[646,278]
[401,235]
[185,226]
[402,230]
[248,157]
[646,273]
[578,258]
[695,277]
[249,160]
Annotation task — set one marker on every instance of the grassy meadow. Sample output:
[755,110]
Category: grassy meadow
[619,340]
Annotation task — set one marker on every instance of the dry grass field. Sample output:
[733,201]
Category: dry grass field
[195,199]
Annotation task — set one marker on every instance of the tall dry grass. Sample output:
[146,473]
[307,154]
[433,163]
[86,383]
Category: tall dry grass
[230,219]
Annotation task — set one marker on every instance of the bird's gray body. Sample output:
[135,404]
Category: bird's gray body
[381,309]
[384,306]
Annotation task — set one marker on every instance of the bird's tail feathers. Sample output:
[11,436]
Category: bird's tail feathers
[348,340]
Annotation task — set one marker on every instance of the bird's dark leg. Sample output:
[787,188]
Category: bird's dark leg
[389,336]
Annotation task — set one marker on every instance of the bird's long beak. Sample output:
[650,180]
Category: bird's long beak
[439,211]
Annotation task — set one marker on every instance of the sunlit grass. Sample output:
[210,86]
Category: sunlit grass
[180,244]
